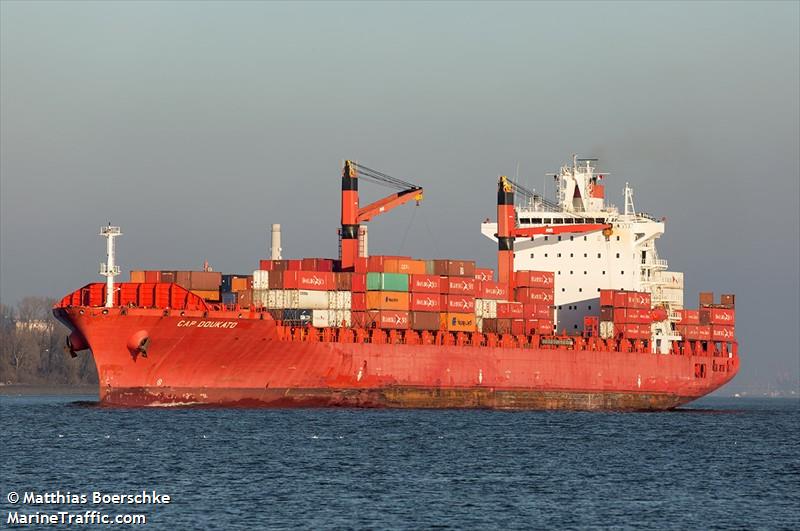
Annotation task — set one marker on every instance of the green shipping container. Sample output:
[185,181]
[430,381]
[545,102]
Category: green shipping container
[387,282]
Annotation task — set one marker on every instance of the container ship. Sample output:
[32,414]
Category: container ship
[580,313]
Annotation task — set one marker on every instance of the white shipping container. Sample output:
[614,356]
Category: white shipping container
[275,300]
[606,329]
[489,309]
[478,321]
[260,297]
[478,309]
[342,318]
[309,299]
[321,318]
[260,279]
[671,279]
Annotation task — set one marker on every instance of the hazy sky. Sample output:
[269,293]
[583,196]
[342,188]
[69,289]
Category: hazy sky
[196,125]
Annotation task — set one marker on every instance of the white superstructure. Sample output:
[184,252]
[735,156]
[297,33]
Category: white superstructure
[623,256]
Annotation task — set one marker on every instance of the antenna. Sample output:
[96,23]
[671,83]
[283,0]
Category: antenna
[629,210]
[109,269]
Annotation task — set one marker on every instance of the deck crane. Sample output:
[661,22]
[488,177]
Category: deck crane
[507,230]
[353,214]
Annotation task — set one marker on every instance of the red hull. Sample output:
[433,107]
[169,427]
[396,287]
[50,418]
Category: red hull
[228,359]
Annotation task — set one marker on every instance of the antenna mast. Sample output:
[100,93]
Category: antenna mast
[109,269]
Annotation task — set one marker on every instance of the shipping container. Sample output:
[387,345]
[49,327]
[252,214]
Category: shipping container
[245,298]
[537,311]
[424,320]
[631,316]
[545,327]
[331,318]
[689,317]
[632,299]
[458,322]
[261,280]
[459,303]
[489,308]
[361,319]
[607,312]
[308,299]
[360,265]
[484,275]
[297,316]
[510,310]
[184,279]
[211,295]
[706,298]
[517,326]
[387,300]
[728,299]
[632,331]
[488,289]
[404,266]
[535,279]
[425,283]
[722,333]
[138,276]
[343,281]
[489,325]
[606,329]
[607,298]
[275,279]
[316,264]
[358,282]
[294,265]
[453,268]
[717,316]
[390,319]
[359,301]
[503,325]
[310,280]
[230,298]
[459,285]
[695,332]
[425,302]
[534,295]
[387,282]
[167,277]
[266,265]
[241,283]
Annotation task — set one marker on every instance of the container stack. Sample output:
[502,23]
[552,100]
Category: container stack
[712,322]
[625,314]
[536,291]
[205,284]
[233,286]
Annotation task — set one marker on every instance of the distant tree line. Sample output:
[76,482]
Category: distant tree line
[32,347]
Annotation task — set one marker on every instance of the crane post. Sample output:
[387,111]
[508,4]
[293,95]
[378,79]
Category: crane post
[506,223]
[349,231]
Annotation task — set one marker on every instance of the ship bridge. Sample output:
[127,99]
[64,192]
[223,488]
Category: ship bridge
[622,257]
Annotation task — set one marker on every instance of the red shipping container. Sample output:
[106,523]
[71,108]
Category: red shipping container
[425,284]
[294,265]
[358,301]
[275,280]
[607,297]
[395,319]
[426,302]
[317,264]
[484,275]
[424,320]
[695,332]
[360,319]
[722,333]
[459,303]
[631,316]
[503,325]
[152,277]
[632,299]
[459,285]
[265,265]
[530,326]
[360,265]
[279,265]
[358,282]
[488,289]
[537,311]
[719,316]
[510,310]
[375,263]
[489,326]
[312,280]
[517,326]
[632,331]
[534,295]
[689,317]
[545,327]
[534,279]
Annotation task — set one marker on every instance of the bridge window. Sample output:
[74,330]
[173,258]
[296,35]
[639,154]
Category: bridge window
[580,290]
[571,272]
[585,255]
[559,255]
[617,255]
[545,238]
[571,238]
[525,220]
[536,220]
[604,272]
[617,238]
[557,221]
[547,221]
[531,255]
[622,272]
[559,238]
[545,255]
[585,272]
[563,289]
[584,238]
[598,255]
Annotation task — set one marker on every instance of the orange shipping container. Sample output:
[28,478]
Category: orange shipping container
[387,300]
[240,283]
[137,276]
[458,322]
[207,294]
[404,265]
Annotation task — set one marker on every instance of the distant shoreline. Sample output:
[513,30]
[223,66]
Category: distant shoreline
[47,389]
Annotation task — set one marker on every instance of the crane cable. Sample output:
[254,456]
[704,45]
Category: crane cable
[383,179]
